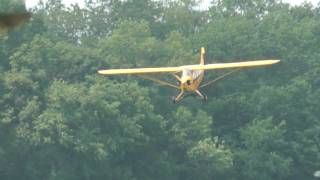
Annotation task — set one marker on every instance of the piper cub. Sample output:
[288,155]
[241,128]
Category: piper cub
[189,76]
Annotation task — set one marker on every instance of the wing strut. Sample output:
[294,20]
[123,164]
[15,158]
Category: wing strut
[164,83]
[219,78]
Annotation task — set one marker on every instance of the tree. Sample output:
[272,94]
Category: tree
[262,155]
[12,6]
[60,120]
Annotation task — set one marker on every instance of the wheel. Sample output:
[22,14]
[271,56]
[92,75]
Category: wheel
[205,98]
[173,99]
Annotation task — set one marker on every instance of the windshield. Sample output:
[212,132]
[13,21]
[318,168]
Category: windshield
[186,72]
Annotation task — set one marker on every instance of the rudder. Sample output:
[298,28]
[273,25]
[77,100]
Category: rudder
[202,55]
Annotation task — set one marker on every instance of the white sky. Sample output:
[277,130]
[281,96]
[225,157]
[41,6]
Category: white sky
[31,3]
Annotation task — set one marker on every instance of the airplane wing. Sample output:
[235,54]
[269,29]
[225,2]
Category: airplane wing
[139,70]
[245,64]
[240,64]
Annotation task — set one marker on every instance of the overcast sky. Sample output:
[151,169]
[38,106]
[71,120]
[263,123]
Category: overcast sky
[206,3]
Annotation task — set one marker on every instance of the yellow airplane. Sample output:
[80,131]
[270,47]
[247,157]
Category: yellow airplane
[191,76]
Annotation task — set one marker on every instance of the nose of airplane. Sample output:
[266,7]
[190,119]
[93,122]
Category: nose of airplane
[186,80]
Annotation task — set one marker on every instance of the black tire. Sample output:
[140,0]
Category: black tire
[173,99]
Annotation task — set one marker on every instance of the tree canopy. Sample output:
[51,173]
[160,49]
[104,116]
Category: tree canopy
[60,120]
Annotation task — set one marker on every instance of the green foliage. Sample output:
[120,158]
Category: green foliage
[60,120]
[190,127]
[131,44]
[210,159]
[12,6]
[263,155]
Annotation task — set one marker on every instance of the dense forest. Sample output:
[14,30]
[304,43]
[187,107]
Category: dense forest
[60,120]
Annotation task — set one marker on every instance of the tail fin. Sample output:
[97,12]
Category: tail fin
[202,55]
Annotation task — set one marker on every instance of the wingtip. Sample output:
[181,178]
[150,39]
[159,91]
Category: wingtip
[101,72]
[276,61]
[273,61]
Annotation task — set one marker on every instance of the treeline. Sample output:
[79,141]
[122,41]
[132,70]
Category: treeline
[60,120]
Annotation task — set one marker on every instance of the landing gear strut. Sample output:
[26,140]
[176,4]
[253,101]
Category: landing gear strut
[202,96]
[178,97]
[182,95]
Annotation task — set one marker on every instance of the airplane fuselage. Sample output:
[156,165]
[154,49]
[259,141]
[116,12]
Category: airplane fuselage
[191,79]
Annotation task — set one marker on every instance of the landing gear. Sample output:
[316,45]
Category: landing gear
[203,97]
[182,95]
[178,97]
[173,99]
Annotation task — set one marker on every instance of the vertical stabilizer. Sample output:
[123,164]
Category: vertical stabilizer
[202,54]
